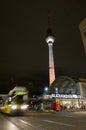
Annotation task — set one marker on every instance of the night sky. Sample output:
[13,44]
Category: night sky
[23,50]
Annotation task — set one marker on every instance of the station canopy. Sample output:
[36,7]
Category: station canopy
[64,85]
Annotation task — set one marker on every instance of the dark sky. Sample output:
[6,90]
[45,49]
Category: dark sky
[23,50]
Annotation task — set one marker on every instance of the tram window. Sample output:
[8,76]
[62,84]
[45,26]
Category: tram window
[18,99]
[9,99]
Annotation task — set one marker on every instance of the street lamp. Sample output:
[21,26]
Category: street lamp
[56,90]
[46,89]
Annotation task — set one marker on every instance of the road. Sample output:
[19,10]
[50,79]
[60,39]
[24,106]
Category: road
[63,120]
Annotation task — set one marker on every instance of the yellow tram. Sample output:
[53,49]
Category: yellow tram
[16,102]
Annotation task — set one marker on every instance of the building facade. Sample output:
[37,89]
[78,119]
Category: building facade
[69,93]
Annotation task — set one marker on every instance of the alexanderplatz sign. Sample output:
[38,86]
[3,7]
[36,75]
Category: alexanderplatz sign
[65,96]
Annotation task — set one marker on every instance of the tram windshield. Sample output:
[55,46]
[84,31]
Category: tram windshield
[18,99]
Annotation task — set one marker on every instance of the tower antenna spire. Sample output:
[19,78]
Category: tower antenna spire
[49,19]
[49,30]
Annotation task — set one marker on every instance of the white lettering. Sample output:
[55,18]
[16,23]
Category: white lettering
[66,96]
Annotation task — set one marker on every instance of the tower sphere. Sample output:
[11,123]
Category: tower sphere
[50,39]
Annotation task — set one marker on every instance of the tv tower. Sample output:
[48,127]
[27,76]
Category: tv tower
[50,40]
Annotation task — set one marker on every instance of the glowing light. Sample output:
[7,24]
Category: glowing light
[66,96]
[50,40]
[24,107]
[14,107]
[46,88]
[20,93]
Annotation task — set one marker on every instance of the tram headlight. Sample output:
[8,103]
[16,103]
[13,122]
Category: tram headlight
[24,107]
[14,107]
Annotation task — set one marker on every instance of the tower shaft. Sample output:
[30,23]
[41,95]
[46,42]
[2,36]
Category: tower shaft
[50,40]
[51,65]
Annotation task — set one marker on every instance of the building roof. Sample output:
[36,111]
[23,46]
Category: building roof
[65,85]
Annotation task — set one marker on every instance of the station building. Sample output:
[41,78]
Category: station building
[68,92]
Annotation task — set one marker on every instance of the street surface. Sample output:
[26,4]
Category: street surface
[63,120]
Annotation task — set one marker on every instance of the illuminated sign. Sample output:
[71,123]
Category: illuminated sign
[66,96]
[20,93]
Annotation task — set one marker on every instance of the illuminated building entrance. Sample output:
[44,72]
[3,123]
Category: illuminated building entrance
[68,92]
